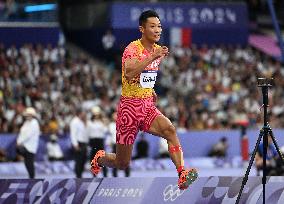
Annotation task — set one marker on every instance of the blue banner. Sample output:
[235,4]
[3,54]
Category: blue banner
[29,33]
[194,15]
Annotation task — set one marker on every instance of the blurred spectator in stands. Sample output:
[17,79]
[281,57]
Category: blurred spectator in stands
[2,9]
[4,125]
[219,149]
[53,126]
[112,143]
[163,149]
[201,88]
[3,157]
[279,163]
[142,148]
[28,139]
[271,158]
[97,130]
[10,10]
[79,140]
[54,151]
[108,42]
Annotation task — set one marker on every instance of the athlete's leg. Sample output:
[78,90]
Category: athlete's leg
[162,126]
[119,160]
[127,126]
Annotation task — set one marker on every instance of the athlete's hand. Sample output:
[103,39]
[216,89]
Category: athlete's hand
[160,52]
[155,97]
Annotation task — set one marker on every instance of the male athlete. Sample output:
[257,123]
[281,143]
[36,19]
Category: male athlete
[136,108]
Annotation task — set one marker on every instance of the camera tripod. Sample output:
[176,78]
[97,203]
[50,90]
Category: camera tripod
[264,132]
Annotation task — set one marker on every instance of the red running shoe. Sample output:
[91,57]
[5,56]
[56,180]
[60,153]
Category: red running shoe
[95,168]
[186,178]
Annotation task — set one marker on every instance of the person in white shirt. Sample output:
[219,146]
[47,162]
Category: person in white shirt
[54,150]
[28,139]
[108,40]
[163,148]
[97,130]
[79,140]
[108,43]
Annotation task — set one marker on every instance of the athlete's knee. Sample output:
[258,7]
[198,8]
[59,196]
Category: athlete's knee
[169,130]
[122,165]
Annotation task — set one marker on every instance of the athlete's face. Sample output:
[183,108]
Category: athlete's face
[152,29]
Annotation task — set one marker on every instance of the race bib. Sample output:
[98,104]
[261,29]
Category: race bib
[148,78]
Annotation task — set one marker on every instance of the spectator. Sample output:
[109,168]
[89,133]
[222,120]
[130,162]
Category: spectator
[271,158]
[79,140]
[10,10]
[3,157]
[54,150]
[96,130]
[217,80]
[163,149]
[28,139]
[53,126]
[142,148]
[219,149]
[108,42]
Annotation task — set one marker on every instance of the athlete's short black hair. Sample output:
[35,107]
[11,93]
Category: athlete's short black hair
[147,14]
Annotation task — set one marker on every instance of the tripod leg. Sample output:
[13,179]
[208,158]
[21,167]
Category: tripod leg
[249,166]
[264,157]
[276,146]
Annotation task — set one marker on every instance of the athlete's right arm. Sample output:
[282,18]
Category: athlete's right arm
[133,66]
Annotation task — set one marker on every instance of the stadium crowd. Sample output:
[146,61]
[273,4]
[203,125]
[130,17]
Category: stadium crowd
[198,88]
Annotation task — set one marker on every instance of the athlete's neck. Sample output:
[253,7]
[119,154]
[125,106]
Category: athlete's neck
[147,45]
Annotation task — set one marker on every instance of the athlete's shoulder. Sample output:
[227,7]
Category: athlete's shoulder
[132,50]
[133,45]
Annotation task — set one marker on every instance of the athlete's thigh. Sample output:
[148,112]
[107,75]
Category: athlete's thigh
[124,152]
[159,125]
[127,122]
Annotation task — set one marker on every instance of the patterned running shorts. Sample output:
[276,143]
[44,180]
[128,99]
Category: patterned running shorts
[134,114]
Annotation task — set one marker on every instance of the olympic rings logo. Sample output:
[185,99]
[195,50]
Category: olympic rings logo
[172,192]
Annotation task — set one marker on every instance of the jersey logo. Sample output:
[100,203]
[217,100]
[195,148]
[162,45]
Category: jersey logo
[148,78]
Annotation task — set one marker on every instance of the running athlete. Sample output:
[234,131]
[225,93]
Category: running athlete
[136,108]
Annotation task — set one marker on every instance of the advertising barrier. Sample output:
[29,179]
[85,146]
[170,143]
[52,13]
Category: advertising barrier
[47,191]
[139,191]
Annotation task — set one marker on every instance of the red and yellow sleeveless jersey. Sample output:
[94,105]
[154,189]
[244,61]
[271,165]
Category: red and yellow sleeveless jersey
[141,86]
